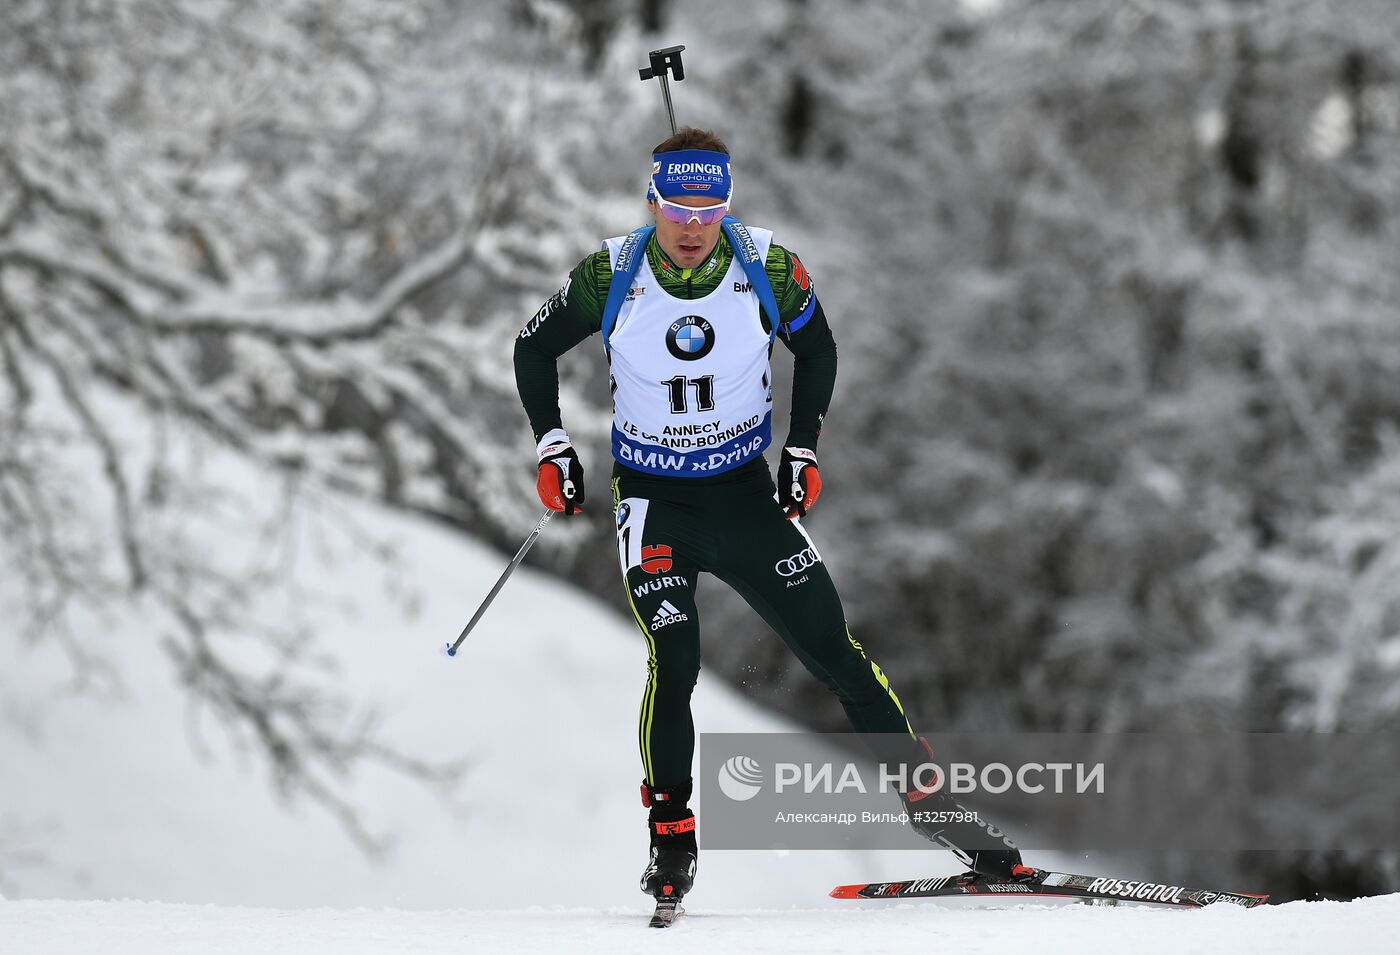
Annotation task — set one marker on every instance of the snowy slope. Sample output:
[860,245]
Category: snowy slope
[123,801]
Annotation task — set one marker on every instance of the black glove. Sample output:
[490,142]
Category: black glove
[799,481]
[560,478]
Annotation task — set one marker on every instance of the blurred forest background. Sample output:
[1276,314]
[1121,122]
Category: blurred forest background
[1116,439]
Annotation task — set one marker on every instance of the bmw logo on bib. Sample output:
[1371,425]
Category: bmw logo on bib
[690,338]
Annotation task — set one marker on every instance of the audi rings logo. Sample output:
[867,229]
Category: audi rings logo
[797,563]
[740,778]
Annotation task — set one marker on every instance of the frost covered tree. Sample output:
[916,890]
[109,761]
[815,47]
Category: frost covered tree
[1109,283]
[296,236]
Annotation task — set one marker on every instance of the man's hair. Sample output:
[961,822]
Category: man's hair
[688,137]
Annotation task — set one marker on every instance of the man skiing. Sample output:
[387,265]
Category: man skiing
[689,310]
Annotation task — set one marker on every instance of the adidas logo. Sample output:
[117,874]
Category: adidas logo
[667,614]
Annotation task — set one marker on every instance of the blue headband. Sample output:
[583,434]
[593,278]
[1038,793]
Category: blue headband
[690,172]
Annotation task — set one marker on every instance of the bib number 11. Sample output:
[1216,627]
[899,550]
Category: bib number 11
[679,388]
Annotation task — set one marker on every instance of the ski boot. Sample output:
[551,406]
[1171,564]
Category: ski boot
[671,870]
[980,846]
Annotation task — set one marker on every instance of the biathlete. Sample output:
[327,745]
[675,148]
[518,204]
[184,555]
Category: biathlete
[689,309]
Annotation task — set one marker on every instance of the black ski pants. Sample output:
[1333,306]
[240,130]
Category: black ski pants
[669,531]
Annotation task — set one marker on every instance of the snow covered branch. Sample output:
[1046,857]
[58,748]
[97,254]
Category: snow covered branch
[254,228]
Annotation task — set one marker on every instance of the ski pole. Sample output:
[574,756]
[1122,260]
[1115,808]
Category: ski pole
[664,62]
[451,648]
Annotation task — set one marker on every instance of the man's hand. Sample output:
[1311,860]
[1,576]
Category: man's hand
[799,481]
[560,479]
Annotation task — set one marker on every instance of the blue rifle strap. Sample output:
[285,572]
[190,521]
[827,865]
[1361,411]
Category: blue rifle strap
[629,260]
[746,250]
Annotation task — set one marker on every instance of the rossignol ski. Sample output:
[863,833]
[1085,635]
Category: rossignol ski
[1046,884]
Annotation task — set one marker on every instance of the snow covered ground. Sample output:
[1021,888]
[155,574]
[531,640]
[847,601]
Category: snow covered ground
[135,928]
[120,800]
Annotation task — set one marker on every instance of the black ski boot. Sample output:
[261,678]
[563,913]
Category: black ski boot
[940,819]
[671,870]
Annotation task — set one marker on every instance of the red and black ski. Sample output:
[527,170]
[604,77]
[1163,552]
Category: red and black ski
[1045,884]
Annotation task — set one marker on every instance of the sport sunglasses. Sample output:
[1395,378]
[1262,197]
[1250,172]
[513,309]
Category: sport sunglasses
[679,214]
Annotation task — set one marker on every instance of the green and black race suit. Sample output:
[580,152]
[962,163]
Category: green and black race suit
[671,528]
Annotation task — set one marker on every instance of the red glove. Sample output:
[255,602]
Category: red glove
[560,478]
[799,481]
